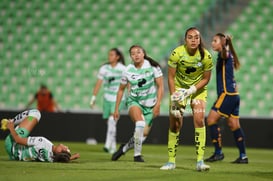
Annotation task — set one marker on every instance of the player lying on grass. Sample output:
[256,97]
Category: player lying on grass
[20,146]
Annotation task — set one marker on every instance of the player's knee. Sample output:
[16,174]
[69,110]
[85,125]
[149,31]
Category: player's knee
[233,126]
[211,121]
[199,123]
[145,134]
[176,127]
[35,113]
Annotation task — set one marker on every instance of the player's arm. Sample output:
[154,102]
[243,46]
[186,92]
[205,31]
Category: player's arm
[56,105]
[97,87]
[204,81]
[160,93]
[75,156]
[31,101]
[208,65]
[95,92]
[172,66]
[118,100]
[15,136]
[171,77]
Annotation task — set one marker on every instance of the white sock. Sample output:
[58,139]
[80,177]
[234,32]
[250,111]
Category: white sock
[34,113]
[138,137]
[130,144]
[111,133]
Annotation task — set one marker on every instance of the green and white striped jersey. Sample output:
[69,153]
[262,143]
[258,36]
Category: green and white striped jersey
[142,83]
[37,149]
[111,77]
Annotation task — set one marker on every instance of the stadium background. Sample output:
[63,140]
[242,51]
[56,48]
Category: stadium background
[63,43]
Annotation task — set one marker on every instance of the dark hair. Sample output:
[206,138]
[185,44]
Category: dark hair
[63,157]
[228,43]
[201,45]
[152,61]
[43,86]
[119,53]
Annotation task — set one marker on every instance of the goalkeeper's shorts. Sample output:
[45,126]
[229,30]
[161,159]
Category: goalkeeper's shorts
[227,105]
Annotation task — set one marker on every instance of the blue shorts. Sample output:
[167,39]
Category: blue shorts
[227,105]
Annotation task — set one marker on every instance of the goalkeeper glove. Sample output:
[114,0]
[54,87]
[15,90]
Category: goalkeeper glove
[181,94]
[176,109]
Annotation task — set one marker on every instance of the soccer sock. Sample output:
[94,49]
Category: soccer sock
[173,139]
[138,137]
[239,138]
[29,114]
[200,142]
[216,137]
[130,144]
[111,133]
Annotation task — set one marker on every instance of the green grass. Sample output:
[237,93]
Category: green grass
[96,165]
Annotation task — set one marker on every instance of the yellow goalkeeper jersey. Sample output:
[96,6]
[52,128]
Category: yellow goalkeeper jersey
[189,69]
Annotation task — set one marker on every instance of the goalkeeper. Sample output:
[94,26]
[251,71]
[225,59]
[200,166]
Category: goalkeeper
[188,74]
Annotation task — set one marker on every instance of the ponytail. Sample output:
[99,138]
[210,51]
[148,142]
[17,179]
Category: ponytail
[228,43]
[119,53]
[235,57]
[146,57]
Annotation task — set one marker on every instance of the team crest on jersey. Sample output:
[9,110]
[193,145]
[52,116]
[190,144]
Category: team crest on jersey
[148,73]
[199,64]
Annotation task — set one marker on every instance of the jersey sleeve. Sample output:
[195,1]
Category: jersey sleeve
[208,63]
[33,141]
[173,59]
[101,73]
[124,79]
[157,72]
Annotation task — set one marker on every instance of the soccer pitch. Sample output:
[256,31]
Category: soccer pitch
[94,164]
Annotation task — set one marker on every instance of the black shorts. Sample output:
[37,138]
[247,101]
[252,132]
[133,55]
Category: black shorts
[227,105]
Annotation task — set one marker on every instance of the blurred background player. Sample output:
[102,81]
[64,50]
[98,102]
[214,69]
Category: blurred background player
[45,100]
[146,90]
[189,72]
[228,101]
[110,76]
[20,146]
